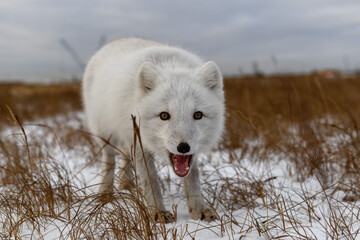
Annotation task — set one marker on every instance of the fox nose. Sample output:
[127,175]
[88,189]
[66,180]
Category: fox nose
[183,148]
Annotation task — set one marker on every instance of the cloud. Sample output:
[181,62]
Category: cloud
[303,35]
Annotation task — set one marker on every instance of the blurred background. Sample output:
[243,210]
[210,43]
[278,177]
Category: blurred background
[286,168]
[48,41]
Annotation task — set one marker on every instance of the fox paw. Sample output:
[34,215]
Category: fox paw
[126,185]
[164,216]
[106,189]
[207,214]
[105,197]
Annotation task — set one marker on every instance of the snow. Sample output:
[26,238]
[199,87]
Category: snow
[279,206]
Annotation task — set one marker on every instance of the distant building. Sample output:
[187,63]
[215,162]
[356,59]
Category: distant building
[328,73]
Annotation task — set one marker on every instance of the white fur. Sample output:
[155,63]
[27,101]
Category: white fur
[139,77]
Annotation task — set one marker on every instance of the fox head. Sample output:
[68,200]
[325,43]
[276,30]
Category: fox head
[181,111]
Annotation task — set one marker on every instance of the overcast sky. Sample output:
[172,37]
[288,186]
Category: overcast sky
[280,35]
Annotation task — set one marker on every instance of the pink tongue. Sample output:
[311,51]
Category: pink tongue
[181,164]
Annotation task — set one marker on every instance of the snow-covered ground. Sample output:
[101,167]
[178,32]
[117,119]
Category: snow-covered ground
[254,199]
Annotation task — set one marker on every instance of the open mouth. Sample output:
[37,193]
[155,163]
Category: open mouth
[181,164]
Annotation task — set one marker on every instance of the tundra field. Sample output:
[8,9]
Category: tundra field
[288,167]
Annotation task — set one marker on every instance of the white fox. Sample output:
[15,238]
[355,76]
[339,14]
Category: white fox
[179,101]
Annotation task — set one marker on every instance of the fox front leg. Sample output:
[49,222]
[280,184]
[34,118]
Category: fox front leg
[107,170]
[151,188]
[197,207]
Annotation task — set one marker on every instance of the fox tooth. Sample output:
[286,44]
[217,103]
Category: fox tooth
[175,168]
[187,168]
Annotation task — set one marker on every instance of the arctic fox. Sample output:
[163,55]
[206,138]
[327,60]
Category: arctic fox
[179,101]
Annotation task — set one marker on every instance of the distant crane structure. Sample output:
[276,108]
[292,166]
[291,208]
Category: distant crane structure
[102,41]
[73,54]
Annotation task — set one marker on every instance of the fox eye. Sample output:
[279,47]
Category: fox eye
[198,115]
[164,116]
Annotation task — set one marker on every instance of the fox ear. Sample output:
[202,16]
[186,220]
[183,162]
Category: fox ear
[209,74]
[148,76]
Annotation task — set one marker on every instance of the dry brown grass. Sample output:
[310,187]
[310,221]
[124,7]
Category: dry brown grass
[33,101]
[312,122]
[297,115]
